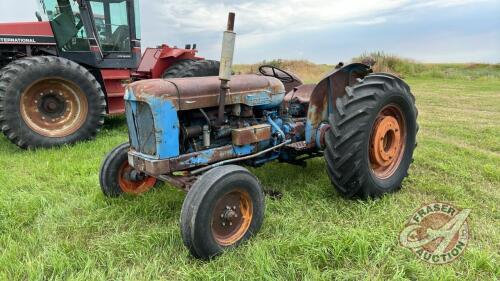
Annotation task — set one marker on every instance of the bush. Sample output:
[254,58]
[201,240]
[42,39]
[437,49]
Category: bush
[392,64]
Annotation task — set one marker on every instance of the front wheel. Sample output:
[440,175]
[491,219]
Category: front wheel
[369,147]
[118,177]
[224,207]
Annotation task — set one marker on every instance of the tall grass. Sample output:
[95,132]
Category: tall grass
[306,70]
[392,64]
[402,67]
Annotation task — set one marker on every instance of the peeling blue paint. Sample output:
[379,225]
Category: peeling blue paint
[202,159]
[276,125]
[309,131]
[243,150]
[166,124]
[264,100]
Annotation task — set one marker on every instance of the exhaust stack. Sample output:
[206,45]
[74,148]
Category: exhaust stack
[226,65]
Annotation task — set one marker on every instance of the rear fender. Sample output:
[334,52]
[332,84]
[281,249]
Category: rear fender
[326,93]
[156,60]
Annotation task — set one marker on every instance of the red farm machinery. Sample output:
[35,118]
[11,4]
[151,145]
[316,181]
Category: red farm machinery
[60,76]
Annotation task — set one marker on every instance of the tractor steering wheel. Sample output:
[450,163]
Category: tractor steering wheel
[271,71]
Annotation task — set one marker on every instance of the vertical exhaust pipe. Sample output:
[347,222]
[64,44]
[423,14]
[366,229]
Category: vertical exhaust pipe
[226,65]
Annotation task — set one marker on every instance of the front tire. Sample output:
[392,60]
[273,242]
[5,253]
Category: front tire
[224,208]
[117,177]
[369,147]
[49,101]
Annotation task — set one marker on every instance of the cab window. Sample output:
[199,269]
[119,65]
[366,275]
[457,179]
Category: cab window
[112,25]
[137,12]
[67,24]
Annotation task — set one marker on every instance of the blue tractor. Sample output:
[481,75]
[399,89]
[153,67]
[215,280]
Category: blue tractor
[194,133]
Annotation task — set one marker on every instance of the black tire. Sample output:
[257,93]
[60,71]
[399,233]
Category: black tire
[201,206]
[174,70]
[193,68]
[17,80]
[113,178]
[349,142]
[2,69]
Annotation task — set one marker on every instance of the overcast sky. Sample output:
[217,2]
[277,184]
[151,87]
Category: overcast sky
[323,31]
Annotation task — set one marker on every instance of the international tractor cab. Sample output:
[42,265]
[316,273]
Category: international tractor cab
[60,75]
[194,133]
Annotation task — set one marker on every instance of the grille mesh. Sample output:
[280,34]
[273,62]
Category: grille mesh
[141,127]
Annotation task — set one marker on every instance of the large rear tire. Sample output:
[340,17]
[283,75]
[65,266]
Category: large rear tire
[175,69]
[369,147]
[192,68]
[49,101]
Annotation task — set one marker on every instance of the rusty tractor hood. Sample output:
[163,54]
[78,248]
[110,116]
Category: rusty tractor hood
[201,92]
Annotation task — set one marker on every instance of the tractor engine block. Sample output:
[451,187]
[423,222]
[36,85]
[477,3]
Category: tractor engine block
[176,121]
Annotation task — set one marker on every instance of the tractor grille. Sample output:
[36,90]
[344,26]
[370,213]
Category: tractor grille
[141,127]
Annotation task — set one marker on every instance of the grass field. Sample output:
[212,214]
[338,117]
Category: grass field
[56,224]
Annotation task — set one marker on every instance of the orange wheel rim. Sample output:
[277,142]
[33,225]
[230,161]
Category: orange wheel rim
[387,142]
[54,107]
[232,217]
[133,186]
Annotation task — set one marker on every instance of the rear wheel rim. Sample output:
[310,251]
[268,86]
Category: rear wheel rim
[54,107]
[387,142]
[130,186]
[232,217]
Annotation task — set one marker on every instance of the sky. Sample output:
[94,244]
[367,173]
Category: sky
[322,31]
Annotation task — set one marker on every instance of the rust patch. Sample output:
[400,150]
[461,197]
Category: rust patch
[328,90]
[182,162]
[332,87]
[302,94]
[322,134]
[182,182]
[199,158]
[231,217]
[200,92]
[150,167]
[252,134]
[387,142]
[299,129]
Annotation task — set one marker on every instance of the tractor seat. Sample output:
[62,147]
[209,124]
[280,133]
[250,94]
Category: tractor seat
[301,94]
[202,92]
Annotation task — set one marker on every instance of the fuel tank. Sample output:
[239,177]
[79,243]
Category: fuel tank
[201,92]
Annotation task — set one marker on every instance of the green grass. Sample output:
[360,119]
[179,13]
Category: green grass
[56,224]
